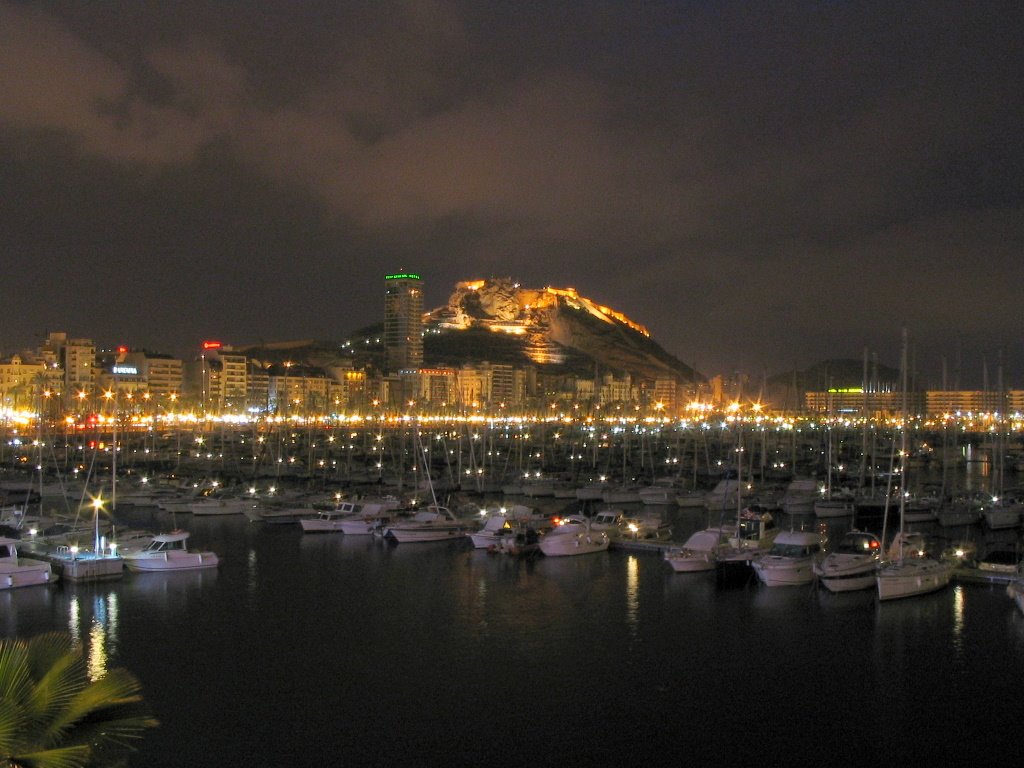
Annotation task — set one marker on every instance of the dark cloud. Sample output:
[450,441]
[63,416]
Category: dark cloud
[763,185]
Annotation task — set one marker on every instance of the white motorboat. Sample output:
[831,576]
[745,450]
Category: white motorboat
[608,520]
[496,528]
[1003,512]
[573,536]
[852,565]
[169,552]
[327,520]
[367,516]
[791,560]
[18,571]
[431,524]
[699,552]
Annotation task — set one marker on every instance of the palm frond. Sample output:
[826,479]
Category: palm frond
[77,756]
[12,726]
[15,680]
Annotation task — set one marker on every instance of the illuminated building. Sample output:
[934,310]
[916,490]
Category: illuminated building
[77,358]
[163,374]
[219,378]
[403,321]
[298,388]
[17,382]
[665,393]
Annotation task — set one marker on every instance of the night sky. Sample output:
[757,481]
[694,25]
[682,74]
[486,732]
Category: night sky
[763,185]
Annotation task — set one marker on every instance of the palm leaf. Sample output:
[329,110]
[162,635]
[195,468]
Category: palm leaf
[78,756]
[12,726]
[52,716]
[15,680]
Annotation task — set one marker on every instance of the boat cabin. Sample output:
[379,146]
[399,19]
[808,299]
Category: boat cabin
[166,544]
[797,544]
[859,543]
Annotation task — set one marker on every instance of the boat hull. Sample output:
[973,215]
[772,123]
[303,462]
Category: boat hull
[691,562]
[774,572]
[912,577]
[846,572]
[312,525]
[188,561]
[410,535]
[27,573]
[574,544]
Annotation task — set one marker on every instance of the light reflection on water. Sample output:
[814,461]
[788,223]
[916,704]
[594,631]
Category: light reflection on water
[101,639]
[958,620]
[632,595]
[330,630]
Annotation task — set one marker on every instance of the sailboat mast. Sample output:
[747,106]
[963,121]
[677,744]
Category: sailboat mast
[903,436]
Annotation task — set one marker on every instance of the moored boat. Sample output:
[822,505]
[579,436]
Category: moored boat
[912,576]
[18,571]
[431,524]
[791,560]
[699,552]
[852,565]
[495,528]
[169,552]
[573,536]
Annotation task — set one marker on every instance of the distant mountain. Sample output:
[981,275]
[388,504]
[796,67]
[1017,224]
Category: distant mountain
[556,330]
[840,373]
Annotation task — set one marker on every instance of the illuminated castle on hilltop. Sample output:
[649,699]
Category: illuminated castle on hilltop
[503,306]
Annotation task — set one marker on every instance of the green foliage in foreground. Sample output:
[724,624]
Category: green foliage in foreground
[53,716]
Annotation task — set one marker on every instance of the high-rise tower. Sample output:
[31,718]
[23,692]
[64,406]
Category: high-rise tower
[403,321]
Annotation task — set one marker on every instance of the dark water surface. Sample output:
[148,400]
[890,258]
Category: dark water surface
[325,650]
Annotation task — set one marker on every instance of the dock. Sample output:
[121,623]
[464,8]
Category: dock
[79,568]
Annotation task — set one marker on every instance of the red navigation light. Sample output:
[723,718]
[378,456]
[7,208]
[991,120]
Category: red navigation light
[211,345]
[122,350]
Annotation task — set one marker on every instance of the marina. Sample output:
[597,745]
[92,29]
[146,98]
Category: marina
[370,633]
[379,628]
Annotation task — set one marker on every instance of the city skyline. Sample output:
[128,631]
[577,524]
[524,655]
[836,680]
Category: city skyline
[762,187]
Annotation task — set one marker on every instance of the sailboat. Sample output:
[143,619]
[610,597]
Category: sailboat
[754,533]
[907,576]
[833,502]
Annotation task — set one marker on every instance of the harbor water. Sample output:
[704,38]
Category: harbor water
[311,650]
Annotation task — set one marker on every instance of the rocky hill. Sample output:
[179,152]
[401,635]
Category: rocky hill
[556,330]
